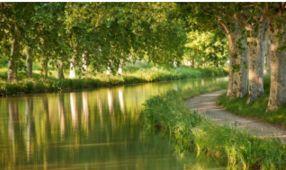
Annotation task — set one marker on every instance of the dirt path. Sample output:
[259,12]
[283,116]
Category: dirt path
[206,105]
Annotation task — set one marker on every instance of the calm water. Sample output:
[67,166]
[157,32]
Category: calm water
[98,129]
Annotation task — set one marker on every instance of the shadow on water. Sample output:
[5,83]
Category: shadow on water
[86,130]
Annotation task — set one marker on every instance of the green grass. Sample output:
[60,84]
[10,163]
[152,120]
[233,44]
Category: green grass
[256,110]
[168,115]
[37,84]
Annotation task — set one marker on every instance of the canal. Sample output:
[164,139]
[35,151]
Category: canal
[95,129]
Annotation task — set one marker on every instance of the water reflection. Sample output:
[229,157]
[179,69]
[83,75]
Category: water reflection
[85,111]
[121,99]
[99,128]
[13,116]
[74,111]
[61,113]
[28,124]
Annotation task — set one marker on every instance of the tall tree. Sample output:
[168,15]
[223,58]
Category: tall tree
[257,24]
[277,96]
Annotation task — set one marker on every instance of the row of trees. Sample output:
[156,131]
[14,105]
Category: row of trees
[255,32]
[77,35]
[100,36]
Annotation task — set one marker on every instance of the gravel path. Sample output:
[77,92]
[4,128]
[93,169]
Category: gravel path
[206,105]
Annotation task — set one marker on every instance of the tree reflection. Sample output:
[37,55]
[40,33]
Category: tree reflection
[85,111]
[77,128]
[62,113]
[110,101]
[74,111]
[29,121]
[100,111]
[13,119]
[121,100]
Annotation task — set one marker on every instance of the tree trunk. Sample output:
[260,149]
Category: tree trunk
[14,54]
[277,95]
[60,70]
[193,62]
[72,74]
[267,68]
[29,63]
[237,83]
[84,62]
[258,48]
[45,68]
[12,65]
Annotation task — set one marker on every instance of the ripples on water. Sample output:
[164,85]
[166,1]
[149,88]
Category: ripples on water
[98,129]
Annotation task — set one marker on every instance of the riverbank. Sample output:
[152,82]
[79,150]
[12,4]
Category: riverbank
[256,110]
[144,75]
[168,115]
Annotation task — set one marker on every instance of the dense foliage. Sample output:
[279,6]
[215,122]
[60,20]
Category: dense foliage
[68,39]
[205,49]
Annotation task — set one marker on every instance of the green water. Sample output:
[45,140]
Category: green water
[98,129]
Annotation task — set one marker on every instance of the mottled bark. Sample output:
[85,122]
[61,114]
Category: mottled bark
[45,68]
[267,68]
[277,95]
[12,65]
[29,63]
[237,83]
[60,70]
[84,62]
[72,73]
[257,51]
[14,55]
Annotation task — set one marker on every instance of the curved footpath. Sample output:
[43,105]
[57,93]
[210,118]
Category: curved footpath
[206,106]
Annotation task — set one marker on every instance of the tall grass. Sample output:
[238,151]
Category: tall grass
[167,114]
[38,84]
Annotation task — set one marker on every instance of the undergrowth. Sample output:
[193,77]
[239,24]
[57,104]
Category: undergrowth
[51,84]
[168,115]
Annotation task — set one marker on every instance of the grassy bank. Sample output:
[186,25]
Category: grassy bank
[38,84]
[256,110]
[168,115]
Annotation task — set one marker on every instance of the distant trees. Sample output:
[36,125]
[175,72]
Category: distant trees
[79,36]
[112,34]
[205,49]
